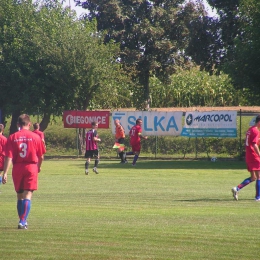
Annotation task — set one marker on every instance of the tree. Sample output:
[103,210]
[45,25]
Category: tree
[153,36]
[51,61]
[228,25]
[244,68]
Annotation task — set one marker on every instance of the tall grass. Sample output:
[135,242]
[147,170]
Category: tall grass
[156,210]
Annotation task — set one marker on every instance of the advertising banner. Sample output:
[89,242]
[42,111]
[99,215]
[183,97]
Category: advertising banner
[83,119]
[210,124]
[154,123]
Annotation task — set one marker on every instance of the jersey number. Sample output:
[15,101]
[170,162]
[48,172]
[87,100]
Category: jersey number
[132,132]
[23,147]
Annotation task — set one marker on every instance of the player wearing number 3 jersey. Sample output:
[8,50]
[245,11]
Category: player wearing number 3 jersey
[25,150]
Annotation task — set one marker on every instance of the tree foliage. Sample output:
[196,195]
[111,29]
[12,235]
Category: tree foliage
[153,36]
[245,68]
[239,22]
[51,61]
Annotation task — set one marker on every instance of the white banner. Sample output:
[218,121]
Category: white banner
[154,123]
[210,124]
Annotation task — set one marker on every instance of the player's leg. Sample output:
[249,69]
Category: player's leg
[136,149]
[17,175]
[257,187]
[23,207]
[20,205]
[136,153]
[96,155]
[0,177]
[28,184]
[121,152]
[129,153]
[87,156]
[121,155]
[244,183]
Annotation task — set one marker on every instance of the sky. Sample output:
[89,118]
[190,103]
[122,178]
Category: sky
[78,9]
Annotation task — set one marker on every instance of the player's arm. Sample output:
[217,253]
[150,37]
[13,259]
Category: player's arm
[96,138]
[7,165]
[141,136]
[40,160]
[256,148]
[121,131]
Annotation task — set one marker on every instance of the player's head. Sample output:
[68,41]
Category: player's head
[117,122]
[2,128]
[257,119]
[139,121]
[94,124]
[24,121]
[36,126]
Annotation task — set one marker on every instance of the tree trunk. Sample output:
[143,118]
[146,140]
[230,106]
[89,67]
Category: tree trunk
[45,121]
[13,126]
[2,118]
[144,81]
[81,141]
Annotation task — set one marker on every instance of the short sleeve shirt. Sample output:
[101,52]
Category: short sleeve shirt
[40,133]
[120,133]
[135,134]
[3,141]
[252,137]
[24,146]
[91,144]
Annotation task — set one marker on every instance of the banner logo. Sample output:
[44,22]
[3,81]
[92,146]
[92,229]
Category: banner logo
[210,124]
[83,119]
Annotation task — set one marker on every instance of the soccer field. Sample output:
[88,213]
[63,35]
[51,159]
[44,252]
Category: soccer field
[156,210]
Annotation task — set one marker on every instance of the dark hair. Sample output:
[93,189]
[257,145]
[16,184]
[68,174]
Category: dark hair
[138,121]
[257,119]
[94,123]
[36,126]
[23,120]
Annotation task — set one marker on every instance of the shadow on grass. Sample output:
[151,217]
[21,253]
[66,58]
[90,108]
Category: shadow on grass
[166,164]
[213,200]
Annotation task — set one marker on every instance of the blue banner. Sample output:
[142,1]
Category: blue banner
[210,124]
[154,123]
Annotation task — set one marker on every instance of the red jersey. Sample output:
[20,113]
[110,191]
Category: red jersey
[24,146]
[40,133]
[252,137]
[3,141]
[134,134]
[91,144]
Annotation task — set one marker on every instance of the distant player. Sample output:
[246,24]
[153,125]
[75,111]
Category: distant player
[92,147]
[120,138]
[3,141]
[25,150]
[36,127]
[252,159]
[135,140]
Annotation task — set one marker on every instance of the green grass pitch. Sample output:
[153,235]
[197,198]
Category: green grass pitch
[156,210]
